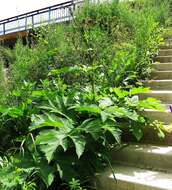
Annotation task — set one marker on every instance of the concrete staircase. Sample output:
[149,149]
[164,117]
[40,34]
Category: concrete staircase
[146,166]
[161,84]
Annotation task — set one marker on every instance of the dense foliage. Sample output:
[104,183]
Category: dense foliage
[69,95]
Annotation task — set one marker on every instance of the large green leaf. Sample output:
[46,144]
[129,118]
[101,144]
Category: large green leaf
[114,131]
[136,91]
[46,173]
[50,140]
[122,112]
[39,121]
[67,125]
[137,132]
[57,106]
[132,102]
[93,109]
[152,103]
[79,142]
[120,93]
[92,127]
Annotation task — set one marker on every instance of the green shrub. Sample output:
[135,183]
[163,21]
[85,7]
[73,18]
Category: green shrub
[33,63]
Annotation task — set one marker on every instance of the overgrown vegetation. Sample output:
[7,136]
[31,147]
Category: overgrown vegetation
[69,96]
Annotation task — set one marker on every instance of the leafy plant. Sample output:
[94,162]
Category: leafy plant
[73,92]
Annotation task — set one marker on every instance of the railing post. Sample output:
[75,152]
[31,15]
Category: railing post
[32,21]
[72,8]
[26,23]
[49,15]
[74,5]
[4,28]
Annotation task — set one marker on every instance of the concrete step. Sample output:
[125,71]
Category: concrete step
[162,66]
[166,46]
[168,42]
[164,59]
[159,84]
[165,117]
[132,178]
[145,156]
[165,52]
[151,136]
[161,75]
[164,96]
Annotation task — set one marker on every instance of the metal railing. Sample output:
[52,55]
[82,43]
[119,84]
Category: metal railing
[54,14]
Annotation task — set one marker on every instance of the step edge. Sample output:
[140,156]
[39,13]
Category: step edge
[136,179]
